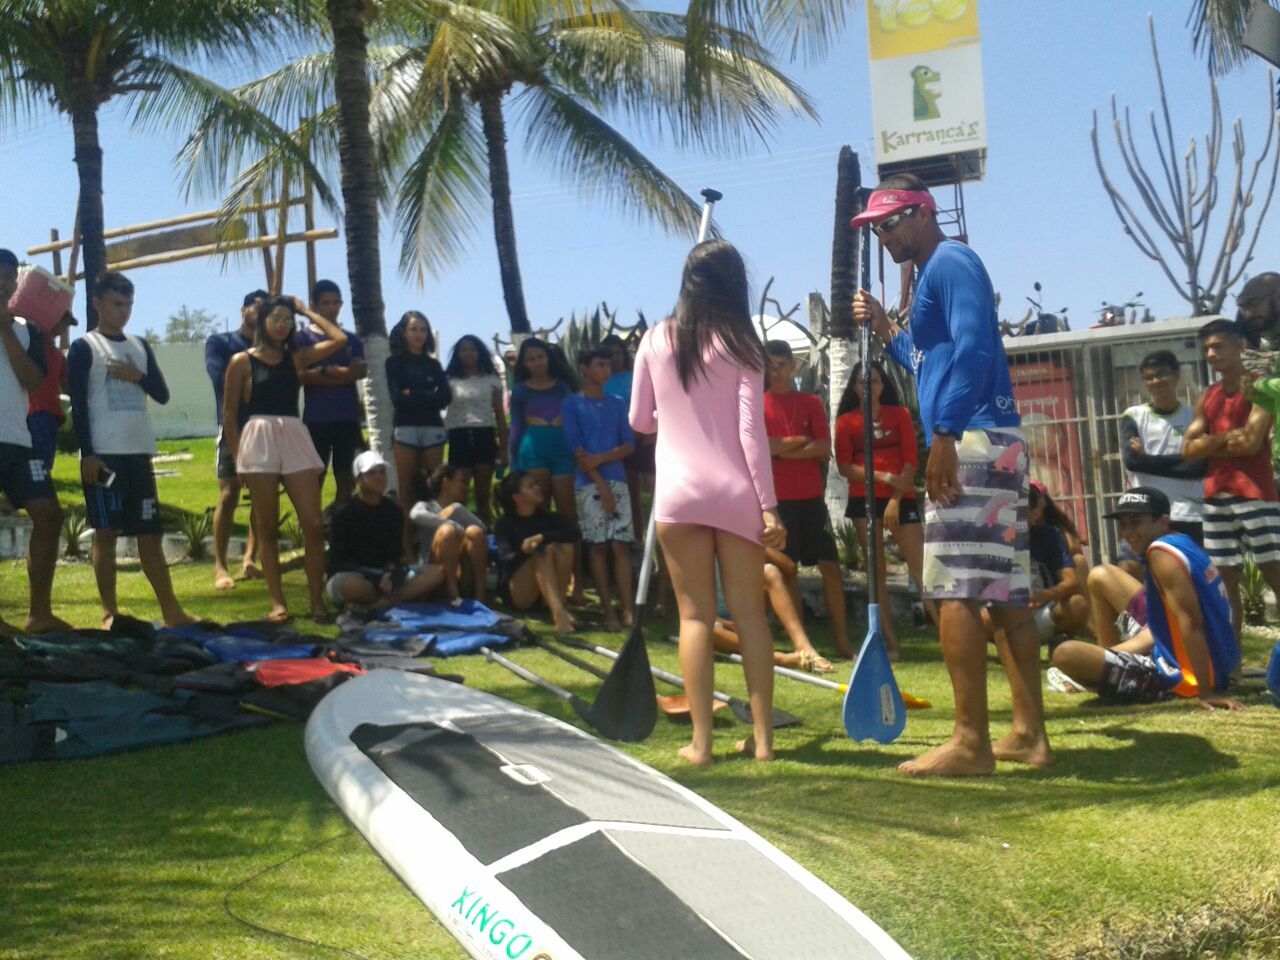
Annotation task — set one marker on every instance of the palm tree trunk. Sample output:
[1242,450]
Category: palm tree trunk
[504,227]
[844,282]
[88,158]
[358,159]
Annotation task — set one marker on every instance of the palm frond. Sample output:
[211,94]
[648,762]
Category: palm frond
[1217,27]
[599,160]
[442,193]
[644,74]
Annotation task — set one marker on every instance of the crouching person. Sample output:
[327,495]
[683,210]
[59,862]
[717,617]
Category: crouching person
[535,550]
[368,571]
[1188,648]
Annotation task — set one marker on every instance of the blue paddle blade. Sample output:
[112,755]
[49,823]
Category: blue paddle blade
[873,707]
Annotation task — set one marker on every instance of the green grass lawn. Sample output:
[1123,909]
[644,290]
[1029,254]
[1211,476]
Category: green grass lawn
[1154,836]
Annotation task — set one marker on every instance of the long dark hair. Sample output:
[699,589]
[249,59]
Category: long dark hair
[849,399]
[395,339]
[484,359]
[713,313]
[557,365]
[437,478]
[1053,514]
[264,311]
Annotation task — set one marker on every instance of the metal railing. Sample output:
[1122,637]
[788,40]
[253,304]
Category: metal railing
[1072,390]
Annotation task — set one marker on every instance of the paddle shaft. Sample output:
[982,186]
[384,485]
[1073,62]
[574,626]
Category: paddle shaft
[651,528]
[535,679]
[868,432]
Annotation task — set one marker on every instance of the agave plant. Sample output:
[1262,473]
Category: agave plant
[1253,593]
[74,524]
[196,527]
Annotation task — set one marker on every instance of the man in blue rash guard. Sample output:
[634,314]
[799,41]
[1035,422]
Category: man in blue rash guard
[976,480]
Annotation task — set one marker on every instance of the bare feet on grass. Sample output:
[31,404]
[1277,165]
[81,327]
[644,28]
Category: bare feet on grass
[223,580]
[277,614]
[181,619]
[38,625]
[748,746]
[1023,748]
[250,572]
[952,759]
[692,754]
[564,623]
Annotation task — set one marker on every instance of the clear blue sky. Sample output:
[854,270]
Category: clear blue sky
[1041,213]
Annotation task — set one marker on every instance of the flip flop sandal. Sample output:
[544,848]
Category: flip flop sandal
[811,662]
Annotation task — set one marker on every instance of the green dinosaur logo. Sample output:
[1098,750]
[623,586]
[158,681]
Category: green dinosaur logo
[924,102]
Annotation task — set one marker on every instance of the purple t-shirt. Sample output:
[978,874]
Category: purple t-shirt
[597,426]
[336,404]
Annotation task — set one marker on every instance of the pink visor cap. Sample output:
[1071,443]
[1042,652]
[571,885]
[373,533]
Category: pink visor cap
[884,203]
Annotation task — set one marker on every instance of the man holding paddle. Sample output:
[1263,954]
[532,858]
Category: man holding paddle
[976,481]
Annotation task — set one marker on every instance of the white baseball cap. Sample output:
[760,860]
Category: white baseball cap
[366,461]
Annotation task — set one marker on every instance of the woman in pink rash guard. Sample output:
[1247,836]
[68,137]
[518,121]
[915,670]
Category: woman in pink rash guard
[701,376]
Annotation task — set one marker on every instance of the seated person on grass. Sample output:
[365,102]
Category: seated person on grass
[1117,604]
[598,434]
[367,568]
[1189,648]
[535,550]
[451,535]
[1057,592]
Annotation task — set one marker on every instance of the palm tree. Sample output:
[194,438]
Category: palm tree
[77,55]
[438,111]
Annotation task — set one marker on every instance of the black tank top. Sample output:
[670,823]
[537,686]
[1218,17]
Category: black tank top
[273,388]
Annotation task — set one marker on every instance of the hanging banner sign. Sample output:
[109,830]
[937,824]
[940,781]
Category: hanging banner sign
[926,79]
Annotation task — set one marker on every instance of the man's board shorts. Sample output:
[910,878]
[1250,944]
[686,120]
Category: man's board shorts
[420,438]
[471,447]
[23,475]
[43,427]
[1131,678]
[978,548]
[1235,526]
[544,448]
[598,526]
[808,523]
[226,463]
[337,443]
[130,505]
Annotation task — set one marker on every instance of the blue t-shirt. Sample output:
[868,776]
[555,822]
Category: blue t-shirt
[597,426]
[1169,654]
[619,386]
[218,351]
[339,403]
[953,347]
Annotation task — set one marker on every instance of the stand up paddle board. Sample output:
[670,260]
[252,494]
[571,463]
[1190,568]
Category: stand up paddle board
[529,839]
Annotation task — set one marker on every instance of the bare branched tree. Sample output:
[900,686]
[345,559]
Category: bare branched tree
[1173,223]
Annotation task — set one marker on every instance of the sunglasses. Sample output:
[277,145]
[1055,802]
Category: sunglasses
[889,224]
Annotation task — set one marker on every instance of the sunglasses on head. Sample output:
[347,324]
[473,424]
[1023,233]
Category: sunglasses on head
[889,224]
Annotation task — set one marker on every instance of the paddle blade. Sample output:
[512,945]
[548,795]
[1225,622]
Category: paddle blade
[626,708]
[873,707]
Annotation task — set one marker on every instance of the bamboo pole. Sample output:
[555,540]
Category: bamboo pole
[267,266]
[308,211]
[282,228]
[161,224]
[212,249]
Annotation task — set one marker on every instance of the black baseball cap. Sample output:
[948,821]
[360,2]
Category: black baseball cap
[1140,502]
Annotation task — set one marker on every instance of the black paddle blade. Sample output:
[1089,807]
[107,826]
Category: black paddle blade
[626,708]
[742,710]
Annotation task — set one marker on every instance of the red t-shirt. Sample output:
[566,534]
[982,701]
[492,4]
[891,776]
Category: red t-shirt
[1248,477]
[48,398]
[893,446]
[796,414]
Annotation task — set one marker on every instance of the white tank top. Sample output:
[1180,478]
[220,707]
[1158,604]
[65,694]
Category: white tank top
[118,418]
[13,396]
[1161,436]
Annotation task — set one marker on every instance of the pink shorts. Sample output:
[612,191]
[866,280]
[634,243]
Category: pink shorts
[278,445]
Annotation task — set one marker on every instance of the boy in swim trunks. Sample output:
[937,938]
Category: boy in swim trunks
[1188,648]
[976,480]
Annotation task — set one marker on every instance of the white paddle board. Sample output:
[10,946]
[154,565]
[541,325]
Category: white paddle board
[530,839]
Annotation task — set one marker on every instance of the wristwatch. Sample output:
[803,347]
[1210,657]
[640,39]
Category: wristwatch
[945,432]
